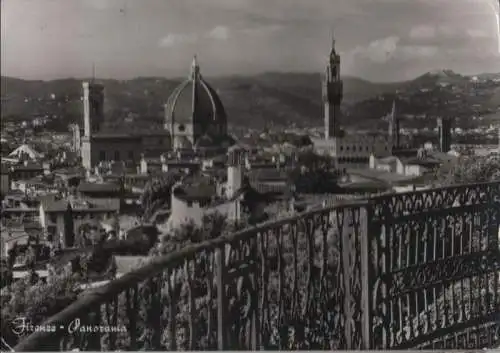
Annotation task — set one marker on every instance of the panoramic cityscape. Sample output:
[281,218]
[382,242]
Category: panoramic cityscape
[224,174]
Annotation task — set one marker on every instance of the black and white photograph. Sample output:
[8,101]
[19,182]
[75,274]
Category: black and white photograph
[250,175]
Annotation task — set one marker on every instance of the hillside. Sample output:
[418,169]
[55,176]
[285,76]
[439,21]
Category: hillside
[280,99]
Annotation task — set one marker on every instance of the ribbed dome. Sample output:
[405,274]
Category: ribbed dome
[204,142]
[195,100]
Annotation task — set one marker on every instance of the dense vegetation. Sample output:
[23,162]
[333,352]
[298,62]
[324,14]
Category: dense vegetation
[156,194]
[470,169]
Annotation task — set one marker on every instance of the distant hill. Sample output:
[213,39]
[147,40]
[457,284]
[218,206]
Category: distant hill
[255,101]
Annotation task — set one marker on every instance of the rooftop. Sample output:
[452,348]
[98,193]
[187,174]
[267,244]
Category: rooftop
[98,187]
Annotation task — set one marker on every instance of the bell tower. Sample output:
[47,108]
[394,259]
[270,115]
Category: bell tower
[394,127]
[332,94]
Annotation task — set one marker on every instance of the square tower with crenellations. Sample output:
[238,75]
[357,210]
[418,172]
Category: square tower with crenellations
[348,150]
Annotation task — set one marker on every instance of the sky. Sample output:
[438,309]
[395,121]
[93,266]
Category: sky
[379,40]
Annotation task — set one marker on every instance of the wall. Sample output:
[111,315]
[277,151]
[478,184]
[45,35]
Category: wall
[4,183]
[183,213]
[413,170]
[128,149]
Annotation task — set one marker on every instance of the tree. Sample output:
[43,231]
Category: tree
[35,302]
[156,194]
[470,169]
[314,173]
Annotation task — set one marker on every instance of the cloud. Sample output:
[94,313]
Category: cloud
[423,32]
[262,30]
[174,39]
[219,33]
[99,4]
[413,52]
[380,50]
[477,33]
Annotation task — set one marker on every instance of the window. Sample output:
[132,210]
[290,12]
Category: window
[181,128]
[347,148]
[102,156]
[117,155]
[354,148]
[131,155]
[341,148]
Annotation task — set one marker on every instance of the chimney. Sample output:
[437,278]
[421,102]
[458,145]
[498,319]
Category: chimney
[143,165]
[248,165]
[164,165]
[46,168]
[292,205]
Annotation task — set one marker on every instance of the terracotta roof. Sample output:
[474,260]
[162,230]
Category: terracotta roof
[98,187]
[267,174]
[196,189]
[83,205]
[28,167]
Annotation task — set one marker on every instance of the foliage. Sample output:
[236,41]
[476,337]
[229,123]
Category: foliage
[313,161]
[470,169]
[314,174]
[214,225]
[291,138]
[35,302]
[156,194]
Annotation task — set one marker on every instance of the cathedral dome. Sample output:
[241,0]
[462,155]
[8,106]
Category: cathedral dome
[182,142]
[195,102]
[204,142]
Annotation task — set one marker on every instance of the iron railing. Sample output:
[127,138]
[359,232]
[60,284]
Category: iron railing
[409,270]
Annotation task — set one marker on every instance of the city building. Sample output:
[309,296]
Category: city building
[348,150]
[195,120]
[103,146]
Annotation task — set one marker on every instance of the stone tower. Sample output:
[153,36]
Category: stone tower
[332,94]
[444,131]
[93,117]
[394,127]
[93,107]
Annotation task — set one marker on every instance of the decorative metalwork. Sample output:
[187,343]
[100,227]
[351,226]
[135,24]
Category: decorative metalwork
[435,267]
[409,270]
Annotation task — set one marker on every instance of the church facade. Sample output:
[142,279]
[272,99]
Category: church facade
[348,150]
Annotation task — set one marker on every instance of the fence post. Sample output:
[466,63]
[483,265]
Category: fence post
[366,283]
[220,269]
[347,248]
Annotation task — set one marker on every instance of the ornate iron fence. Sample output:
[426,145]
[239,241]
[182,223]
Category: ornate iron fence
[409,270]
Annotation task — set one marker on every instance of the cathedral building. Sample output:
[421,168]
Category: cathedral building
[195,116]
[348,150]
[195,120]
